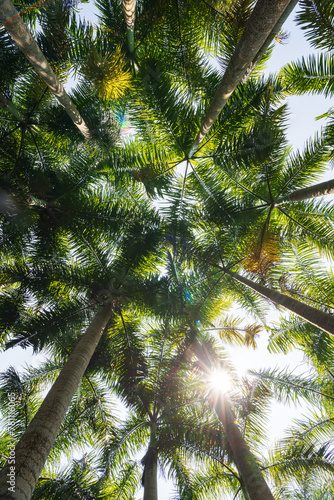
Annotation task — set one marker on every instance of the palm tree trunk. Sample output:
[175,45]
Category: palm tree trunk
[5,103]
[34,446]
[321,319]
[129,8]
[260,26]
[251,476]
[276,29]
[13,23]
[321,189]
[150,462]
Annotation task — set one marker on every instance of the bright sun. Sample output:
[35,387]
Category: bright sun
[220,381]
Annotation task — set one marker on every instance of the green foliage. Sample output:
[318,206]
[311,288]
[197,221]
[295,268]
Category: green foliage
[126,214]
[311,75]
[316,18]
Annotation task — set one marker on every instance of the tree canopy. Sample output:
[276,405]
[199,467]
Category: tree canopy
[153,213]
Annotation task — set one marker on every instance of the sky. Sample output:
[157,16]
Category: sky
[303,111]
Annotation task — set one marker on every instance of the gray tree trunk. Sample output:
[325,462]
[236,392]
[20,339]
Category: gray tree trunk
[321,319]
[251,476]
[252,481]
[34,446]
[276,29]
[321,189]
[259,29]
[13,23]
[150,461]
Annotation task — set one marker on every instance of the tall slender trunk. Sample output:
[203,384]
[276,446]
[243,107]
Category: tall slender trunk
[321,319]
[259,28]
[150,462]
[252,480]
[34,446]
[276,29]
[129,8]
[321,189]
[251,476]
[13,23]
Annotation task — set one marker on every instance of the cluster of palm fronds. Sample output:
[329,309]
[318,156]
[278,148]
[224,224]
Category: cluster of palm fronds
[125,256]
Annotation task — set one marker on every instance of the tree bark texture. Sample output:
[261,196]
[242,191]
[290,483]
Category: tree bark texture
[260,26]
[252,481]
[321,189]
[251,476]
[321,319]
[34,446]
[150,462]
[151,475]
[276,29]
[13,23]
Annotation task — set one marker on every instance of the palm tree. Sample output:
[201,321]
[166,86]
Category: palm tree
[34,447]
[305,278]
[150,463]
[92,410]
[9,106]
[305,451]
[77,217]
[13,23]
[320,189]
[129,7]
[313,74]
[260,27]
[257,176]
[321,319]
[79,478]
[251,478]
[39,437]
[279,299]
[160,416]
[156,395]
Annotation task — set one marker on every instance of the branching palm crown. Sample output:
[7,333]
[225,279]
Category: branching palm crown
[177,233]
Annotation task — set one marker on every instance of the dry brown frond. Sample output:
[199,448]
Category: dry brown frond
[263,254]
[251,332]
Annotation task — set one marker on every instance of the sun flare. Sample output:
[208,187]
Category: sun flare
[220,381]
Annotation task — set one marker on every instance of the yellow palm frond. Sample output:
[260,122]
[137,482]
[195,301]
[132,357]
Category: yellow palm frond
[263,253]
[108,73]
